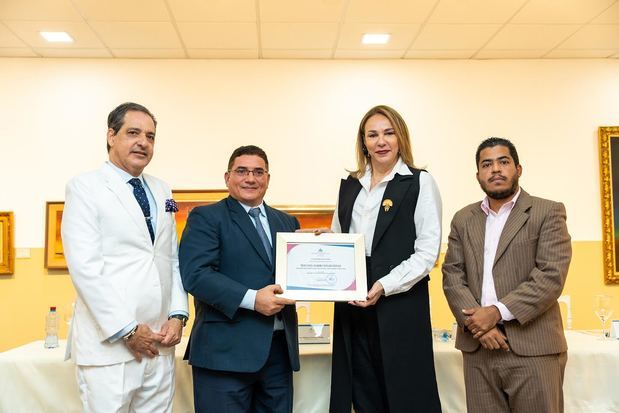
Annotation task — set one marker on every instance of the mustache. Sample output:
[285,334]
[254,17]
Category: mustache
[497,176]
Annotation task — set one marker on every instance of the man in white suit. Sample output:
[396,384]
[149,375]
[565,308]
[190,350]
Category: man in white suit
[120,242]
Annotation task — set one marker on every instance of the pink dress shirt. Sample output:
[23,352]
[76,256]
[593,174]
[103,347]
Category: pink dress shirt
[494,227]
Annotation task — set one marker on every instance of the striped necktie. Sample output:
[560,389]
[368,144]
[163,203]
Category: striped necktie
[255,214]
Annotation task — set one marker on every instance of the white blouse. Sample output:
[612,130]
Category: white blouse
[427,224]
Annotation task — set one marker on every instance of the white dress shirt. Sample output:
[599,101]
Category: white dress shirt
[427,225]
[495,222]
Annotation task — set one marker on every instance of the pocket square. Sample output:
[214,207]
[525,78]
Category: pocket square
[171,205]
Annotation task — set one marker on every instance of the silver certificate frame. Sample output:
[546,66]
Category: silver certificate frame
[327,267]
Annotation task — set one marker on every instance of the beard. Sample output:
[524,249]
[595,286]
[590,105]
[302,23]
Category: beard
[505,193]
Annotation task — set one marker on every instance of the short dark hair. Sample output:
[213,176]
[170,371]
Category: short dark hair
[494,141]
[116,118]
[248,150]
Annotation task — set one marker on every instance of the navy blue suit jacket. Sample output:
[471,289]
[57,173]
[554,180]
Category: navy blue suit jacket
[221,256]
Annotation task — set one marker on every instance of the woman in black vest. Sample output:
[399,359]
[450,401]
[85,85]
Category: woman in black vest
[382,347]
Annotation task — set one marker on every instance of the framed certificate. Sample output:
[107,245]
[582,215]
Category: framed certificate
[327,267]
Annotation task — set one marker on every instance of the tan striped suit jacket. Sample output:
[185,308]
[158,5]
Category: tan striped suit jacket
[530,268]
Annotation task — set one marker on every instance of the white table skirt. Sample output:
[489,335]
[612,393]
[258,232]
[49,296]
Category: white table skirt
[591,375]
[34,379]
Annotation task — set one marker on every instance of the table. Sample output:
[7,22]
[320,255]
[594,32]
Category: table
[34,379]
[591,374]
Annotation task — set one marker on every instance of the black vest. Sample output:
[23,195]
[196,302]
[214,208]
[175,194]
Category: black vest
[394,236]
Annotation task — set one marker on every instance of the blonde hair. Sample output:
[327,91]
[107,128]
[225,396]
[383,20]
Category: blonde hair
[401,132]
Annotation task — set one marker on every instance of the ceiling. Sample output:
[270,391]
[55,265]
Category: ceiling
[312,29]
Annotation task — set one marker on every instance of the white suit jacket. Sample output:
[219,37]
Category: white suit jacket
[119,274]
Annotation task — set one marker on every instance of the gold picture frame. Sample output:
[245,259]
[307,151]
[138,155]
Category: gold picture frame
[54,251]
[7,251]
[609,188]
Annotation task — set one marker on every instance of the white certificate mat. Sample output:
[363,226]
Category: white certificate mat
[325,267]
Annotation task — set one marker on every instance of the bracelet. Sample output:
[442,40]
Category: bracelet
[130,334]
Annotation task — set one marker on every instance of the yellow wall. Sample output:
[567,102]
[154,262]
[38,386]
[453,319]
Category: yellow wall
[26,296]
[305,115]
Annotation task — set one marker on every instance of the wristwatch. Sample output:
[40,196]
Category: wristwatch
[180,317]
[130,334]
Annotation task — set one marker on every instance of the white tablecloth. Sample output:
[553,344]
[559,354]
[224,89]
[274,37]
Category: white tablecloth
[34,379]
[591,382]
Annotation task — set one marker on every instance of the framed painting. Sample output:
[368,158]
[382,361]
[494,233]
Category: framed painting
[7,252]
[188,199]
[609,183]
[318,216]
[54,252]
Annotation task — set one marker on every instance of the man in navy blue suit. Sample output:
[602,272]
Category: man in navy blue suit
[243,345]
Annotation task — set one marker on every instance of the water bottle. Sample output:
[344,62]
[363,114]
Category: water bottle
[51,329]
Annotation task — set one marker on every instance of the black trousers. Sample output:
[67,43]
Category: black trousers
[369,394]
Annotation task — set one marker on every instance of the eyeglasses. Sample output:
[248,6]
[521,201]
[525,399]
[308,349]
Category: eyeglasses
[258,172]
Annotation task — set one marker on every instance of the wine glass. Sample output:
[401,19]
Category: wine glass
[603,310]
[67,313]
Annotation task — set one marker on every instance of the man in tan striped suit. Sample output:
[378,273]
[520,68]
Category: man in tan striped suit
[505,267]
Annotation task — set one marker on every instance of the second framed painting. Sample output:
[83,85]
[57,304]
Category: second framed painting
[609,188]
[54,252]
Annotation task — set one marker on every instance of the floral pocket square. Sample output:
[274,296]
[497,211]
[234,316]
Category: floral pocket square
[171,205]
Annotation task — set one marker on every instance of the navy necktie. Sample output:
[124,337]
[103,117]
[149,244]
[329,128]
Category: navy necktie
[255,214]
[140,196]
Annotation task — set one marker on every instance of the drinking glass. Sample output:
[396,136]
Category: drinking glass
[603,310]
[67,313]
